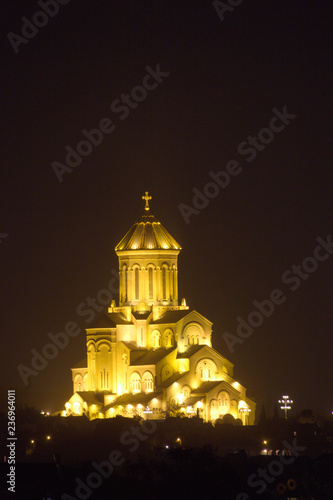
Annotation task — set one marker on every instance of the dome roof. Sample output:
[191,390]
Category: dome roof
[147,234]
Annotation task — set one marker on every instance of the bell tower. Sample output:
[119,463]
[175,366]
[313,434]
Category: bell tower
[148,264]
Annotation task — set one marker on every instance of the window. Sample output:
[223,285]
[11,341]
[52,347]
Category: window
[125,283]
[104,379]
[224,402]
[156,339]
[77,408]
[141,330]
[164,283]
[207,369]
[135,382]
[213,409]
[151,285]
[136,274]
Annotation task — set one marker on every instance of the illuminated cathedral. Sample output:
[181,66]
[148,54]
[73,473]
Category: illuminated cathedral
[150,356]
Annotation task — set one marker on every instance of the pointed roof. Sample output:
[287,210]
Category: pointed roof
[147,233]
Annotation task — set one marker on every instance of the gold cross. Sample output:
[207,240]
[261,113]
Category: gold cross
[146,198]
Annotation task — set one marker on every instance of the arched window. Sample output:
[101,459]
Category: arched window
[186,392]
[104,379]
[77,409]
[168,340]
[213,410]
[207,369]
[151,283]
[136,274]
[224,402]
[164,283]
[78,382]
[147,382]
[125,283]
[156,339]
[135,382]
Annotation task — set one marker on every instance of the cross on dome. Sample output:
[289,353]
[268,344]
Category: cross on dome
[146,198]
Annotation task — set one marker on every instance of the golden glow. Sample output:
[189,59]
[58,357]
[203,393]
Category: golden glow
[32,441]
[137,340]
[146,198]
[48,438]
[265,442]
[180,398]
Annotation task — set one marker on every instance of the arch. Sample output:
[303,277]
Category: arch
[101,344]
[77,408]
[168,338]
[164,292]
[206,369]
[148,381]
[91,346]
[186,390]
[136,284]
[155,338]
[103,350]
[150,283]
[174,282]
[223,402]
[78,382]
[125,283]
[192,333]
[214,411]
[135,382]
[166,371]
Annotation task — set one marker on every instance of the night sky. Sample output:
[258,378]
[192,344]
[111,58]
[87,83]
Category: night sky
[221,80]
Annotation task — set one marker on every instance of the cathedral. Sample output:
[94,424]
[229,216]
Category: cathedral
[150,356]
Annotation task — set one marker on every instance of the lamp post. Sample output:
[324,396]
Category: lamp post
[285,401]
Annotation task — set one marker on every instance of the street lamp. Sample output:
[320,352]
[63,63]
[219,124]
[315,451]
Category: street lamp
[285,401]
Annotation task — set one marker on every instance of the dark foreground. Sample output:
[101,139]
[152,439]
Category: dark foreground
[178,458]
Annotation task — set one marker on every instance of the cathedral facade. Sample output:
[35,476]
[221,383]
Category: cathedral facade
[151,356]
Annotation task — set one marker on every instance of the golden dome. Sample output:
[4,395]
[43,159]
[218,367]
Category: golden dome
[147,234]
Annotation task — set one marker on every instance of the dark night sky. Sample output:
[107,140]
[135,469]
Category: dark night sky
[225,79]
